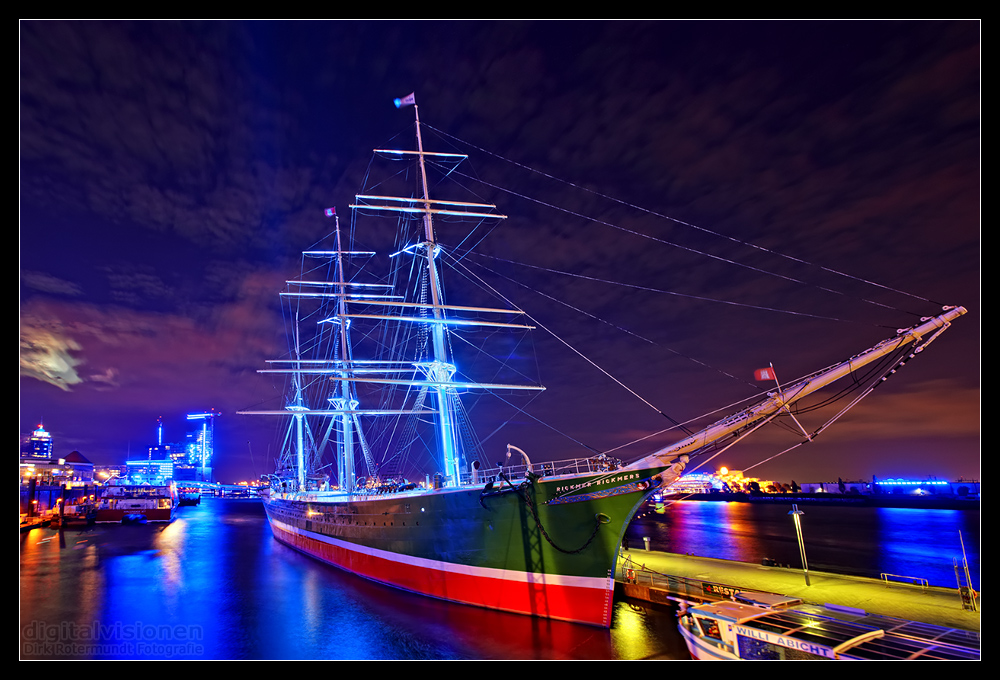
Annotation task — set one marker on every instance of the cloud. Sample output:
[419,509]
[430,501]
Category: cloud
[45,355]
[47,283]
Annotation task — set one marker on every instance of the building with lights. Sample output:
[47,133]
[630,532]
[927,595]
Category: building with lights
[151,471]
[200,448]
[925,487]
[38,445]
[45,479]
[72,470]
[106,473]
[724,481]
[731,483]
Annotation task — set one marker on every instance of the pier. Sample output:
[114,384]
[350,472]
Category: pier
[666,577]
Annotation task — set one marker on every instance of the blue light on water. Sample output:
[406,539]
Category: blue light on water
[863,541]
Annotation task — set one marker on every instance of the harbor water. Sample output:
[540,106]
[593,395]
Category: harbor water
[214,584]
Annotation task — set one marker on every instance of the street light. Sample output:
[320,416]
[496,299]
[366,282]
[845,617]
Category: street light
[795,513]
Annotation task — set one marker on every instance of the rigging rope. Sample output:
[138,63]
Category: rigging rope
[686,224]
[585,357]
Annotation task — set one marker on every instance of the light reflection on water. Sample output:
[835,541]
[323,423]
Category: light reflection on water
[214,584]
[851,540]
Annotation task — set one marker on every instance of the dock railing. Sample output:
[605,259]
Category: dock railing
[912,580]
[677,587]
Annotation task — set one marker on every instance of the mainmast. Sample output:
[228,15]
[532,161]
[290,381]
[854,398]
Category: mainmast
[439,371]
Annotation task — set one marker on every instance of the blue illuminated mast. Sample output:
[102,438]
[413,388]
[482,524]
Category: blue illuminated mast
[438,372]
[344,402]
[398,368]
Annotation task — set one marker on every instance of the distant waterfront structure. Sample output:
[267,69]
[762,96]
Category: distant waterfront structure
[187,461]
[45,479]
[74,469]
[733,481]
[106,473]
[201,445]
[724,481]
[39,444]
[925,487]
[153,471]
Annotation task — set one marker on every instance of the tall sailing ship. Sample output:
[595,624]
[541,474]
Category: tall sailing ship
[534,538]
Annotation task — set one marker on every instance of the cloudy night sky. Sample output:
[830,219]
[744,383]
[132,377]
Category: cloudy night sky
[704,197]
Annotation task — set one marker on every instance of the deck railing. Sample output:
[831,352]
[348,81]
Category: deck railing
[592,465]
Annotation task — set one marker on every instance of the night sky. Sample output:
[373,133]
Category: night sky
[786,192]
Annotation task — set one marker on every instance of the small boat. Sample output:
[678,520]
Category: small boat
[771,627]
[136,504]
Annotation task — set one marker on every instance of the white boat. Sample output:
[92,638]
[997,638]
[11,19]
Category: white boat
[136,504]
[765,627]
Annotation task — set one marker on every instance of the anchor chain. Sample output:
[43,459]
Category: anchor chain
[601,519]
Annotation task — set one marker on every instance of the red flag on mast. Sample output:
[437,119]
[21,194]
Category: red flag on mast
[764,374]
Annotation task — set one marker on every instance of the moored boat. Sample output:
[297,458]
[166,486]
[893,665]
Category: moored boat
[141,503]
[773,628]
[538,539]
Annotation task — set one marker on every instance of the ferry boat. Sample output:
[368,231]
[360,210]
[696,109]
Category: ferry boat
[371,365]
[758,627]
[138,503]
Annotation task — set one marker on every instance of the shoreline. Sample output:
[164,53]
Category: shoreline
[857,500]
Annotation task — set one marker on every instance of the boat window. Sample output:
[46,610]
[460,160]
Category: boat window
[758,650]
[709,627]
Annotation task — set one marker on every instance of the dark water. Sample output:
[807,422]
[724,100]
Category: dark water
[215,585]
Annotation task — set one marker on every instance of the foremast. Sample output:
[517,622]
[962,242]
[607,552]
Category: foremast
[345,402]
[756,416]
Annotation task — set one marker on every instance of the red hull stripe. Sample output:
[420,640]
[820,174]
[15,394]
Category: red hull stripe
[567,598]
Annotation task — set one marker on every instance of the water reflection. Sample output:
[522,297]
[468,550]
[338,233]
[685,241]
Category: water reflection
[215,585]
[896,528]
[852,540]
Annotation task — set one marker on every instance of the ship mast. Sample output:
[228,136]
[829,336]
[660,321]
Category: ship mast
[435,373]
[441,370]
[346,403]
[298,408]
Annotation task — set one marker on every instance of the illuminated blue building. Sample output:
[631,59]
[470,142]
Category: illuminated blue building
[200,447]
[152,471]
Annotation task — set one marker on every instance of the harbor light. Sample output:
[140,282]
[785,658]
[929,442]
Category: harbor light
[796,513]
